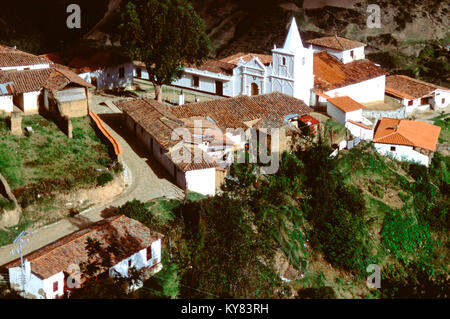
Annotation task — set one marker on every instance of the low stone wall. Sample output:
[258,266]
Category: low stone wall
[396,114]
[107,137]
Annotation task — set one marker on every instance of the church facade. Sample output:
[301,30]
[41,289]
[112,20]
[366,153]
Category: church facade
[323,67]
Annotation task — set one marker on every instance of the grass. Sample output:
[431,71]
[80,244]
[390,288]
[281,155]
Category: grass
[444,122]
[48,154]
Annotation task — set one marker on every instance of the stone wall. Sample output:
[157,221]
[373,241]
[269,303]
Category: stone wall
[396,114]
[16,123]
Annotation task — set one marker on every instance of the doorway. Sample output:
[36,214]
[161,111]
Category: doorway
[219,88]
[254,89]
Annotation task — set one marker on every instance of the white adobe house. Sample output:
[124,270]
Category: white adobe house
[104,69]
[45,272]
[14,59]
[344,49]
[406,140]
[331,65]
[417,95]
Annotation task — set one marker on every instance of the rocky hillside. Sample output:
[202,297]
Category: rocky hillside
[407,27]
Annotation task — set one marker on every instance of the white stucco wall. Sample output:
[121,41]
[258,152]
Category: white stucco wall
[336,113]
[202,181]
[441,99]
[36,287]
[108,78]
[367,91]
[343,56]
[138,260]
[30,101]
[402,153]
[6,103]
[207,81]
[358,131]
[354,116]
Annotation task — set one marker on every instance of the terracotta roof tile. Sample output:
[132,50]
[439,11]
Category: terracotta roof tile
[234,112]
[215,66]
[406,87]
[330,73]
[246,56]
[131,235]
[405,132]
[10,57]
[345,103]
[336,43]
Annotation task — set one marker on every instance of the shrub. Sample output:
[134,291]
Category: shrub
[418,171]
[104,178]
[404,235]
[6,204]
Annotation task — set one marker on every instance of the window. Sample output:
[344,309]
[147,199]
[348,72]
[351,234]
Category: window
[195,81]
[149,252]
[139,72]
[283,61]
[121,72]
[55,286]
[392,148]
[129,263]
[352,54]
[410,102]
[443,101]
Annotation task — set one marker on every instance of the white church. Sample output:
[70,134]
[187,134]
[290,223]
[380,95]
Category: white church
[327,67]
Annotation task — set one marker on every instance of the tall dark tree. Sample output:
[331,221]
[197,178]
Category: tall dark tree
[165,35]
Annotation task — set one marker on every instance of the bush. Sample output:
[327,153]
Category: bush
[404,235]
[418,172]
[104,178]
[6,204]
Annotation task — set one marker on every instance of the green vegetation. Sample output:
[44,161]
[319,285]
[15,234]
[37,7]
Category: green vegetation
[48,161]
[339,214]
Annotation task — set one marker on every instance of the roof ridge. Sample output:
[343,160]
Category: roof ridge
[59,246]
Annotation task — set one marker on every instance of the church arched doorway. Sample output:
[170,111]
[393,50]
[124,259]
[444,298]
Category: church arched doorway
[254,89]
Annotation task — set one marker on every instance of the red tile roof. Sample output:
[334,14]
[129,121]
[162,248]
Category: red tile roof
[246,56]
[52,78]
[405,132]
[406,87]
[159,122]
[330,73]
[235,112]
[215,66]
[10,57]
[360,124]
[130,235]
[345,103]
[336,43]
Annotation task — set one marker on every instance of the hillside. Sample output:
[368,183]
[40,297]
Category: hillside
[410,40]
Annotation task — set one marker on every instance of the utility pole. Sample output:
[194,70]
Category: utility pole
[21,242]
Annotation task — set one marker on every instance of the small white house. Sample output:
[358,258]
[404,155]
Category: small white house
[343,109]
[417,95]
[54,269]
[344,49]
[406,140]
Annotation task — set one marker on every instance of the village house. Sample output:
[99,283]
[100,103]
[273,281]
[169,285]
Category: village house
[31,82]
[103,69]
[331,65]
[44,273]
[343,49]
[209,132]
[417,95]
[406,140]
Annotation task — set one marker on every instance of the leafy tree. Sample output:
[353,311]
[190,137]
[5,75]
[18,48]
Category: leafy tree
[165,35]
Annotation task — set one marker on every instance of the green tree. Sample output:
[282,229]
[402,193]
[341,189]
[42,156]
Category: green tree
[165,35]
